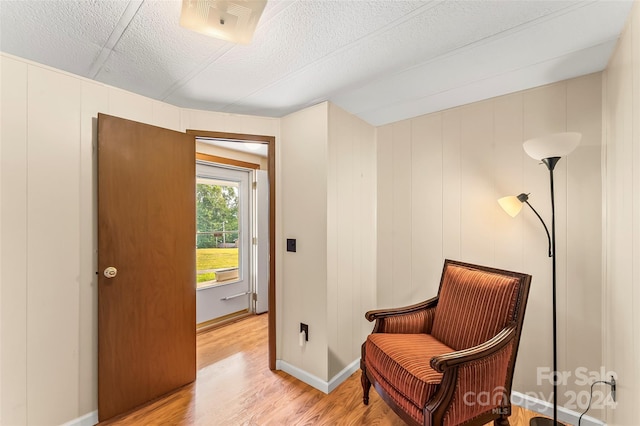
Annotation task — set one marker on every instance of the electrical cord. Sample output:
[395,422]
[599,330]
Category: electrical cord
[612,383]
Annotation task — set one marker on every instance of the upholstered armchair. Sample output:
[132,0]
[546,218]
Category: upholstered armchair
[450,360]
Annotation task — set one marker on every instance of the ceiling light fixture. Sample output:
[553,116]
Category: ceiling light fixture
[231,20]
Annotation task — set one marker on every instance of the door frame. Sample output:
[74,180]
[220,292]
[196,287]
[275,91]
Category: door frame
[270,141]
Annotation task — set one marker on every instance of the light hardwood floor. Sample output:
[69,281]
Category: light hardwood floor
[234,386]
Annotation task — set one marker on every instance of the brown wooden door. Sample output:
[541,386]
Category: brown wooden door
[146,230]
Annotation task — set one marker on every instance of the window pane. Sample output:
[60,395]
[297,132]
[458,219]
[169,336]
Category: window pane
[217,231]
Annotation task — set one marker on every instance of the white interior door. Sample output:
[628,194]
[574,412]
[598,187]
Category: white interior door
[262,244]
[223,241]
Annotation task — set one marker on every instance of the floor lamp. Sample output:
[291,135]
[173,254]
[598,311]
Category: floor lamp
[548,150]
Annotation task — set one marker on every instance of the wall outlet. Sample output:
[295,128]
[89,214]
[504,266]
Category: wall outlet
[305,328]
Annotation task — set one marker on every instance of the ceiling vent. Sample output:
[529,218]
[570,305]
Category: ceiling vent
[231,20]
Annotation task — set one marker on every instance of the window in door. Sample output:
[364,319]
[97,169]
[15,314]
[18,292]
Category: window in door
[218,232]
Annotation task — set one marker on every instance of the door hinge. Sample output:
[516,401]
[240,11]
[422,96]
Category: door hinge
[254,184]
[255,296]
[255,241]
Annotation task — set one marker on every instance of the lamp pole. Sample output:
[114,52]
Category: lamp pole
[548,149]
[508,205]
[551,164]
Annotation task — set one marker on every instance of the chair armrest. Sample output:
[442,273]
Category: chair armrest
[381,313]
[411,319]
[441,363]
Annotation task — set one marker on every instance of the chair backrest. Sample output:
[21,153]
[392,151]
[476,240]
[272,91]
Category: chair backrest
[475,303]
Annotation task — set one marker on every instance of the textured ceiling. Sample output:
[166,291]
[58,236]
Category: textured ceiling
[381,60]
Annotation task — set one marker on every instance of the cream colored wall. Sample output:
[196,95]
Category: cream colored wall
[303,174]
[439,177]
[351,287]
[328,176]
[621,162]
[226,122]
[13,279]
[48,329]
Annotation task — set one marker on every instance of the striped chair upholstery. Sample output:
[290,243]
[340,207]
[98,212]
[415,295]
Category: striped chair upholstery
[426,360]
[473,307]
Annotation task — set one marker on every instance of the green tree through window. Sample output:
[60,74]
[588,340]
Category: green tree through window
[217,232]
[216,215]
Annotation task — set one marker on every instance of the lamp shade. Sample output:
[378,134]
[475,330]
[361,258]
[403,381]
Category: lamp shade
[555,145]
[511,204]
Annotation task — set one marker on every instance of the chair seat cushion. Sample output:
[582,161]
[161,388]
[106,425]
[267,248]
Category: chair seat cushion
[403,360]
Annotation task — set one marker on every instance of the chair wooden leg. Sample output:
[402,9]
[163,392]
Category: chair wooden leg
[366,385]
[501,421]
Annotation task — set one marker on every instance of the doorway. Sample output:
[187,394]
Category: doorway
[270,143]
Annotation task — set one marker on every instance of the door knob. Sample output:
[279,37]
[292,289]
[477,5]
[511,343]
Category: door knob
[110,272]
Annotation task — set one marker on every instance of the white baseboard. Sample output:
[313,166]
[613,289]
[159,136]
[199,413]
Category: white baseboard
[88,419]
[546,409]
[303,376]
[344,374]
[316,382]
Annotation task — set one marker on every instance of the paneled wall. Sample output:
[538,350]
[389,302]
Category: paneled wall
[304,217]
[439,177]
[328,173]
[621,119]
[351,285]
[48,304]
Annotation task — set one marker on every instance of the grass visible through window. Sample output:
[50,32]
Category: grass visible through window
[214,258]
